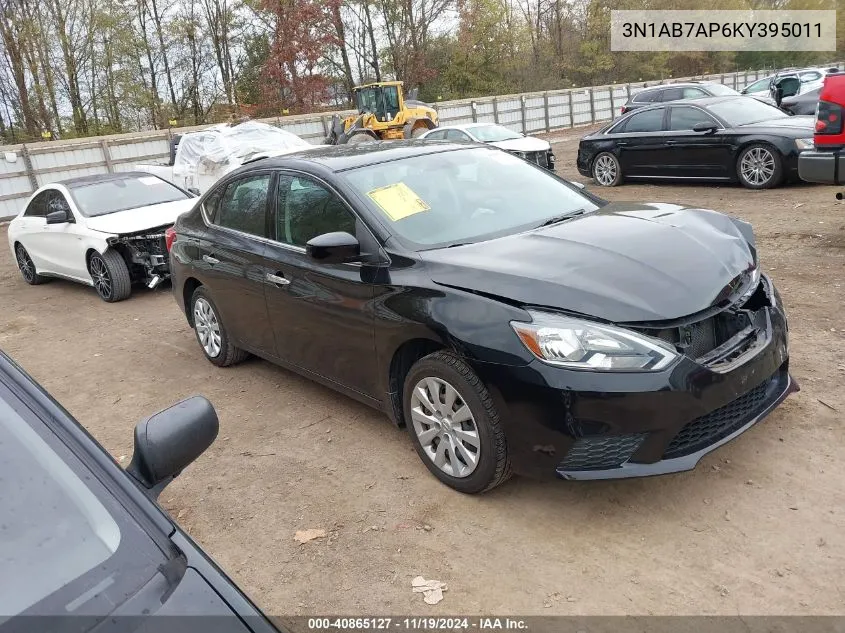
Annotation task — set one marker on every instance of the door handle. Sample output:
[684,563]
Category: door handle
[277,279]
[621,144]
[671,142]
[208,259]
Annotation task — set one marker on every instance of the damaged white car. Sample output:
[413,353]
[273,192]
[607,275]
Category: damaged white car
[105,231]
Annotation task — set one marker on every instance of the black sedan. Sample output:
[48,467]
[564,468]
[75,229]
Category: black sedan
[714,139]
[507,318]
[83,544]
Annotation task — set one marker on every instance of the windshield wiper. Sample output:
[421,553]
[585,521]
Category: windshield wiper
[561,218]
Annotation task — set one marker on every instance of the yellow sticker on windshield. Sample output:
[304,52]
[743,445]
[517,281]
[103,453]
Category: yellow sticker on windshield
[398,201]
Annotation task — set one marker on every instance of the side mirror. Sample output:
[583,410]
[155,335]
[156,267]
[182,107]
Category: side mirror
[58,217]
[704,126]
[167,442]
[194,191]
[334,248]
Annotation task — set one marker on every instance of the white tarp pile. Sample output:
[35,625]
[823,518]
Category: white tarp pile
[210,154]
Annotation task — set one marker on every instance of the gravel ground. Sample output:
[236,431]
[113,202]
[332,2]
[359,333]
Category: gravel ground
[757,528]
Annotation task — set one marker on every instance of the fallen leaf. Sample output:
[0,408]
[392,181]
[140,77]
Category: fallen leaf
[303,536]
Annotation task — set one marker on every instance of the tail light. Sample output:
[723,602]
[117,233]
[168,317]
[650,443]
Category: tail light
[828,118]
[169,237]
[624,110]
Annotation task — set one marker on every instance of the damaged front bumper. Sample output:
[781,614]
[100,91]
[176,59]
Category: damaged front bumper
[591,425]
[145,254]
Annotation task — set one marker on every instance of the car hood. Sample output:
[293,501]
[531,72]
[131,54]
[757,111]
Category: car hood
[526,144]
[801,125]
[140,218]
[627,262]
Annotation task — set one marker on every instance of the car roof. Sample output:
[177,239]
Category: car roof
[679,84]
[701,101]
[70,183]
[343,157]
[466,126]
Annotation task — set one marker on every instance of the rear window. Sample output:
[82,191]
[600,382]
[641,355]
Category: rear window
[121,194]
[646,121]
[647,96]
[721,90]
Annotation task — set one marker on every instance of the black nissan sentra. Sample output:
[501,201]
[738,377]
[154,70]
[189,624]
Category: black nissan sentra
[510,320]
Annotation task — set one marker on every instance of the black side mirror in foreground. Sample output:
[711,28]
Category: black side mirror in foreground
[704,126]
[194,191]
[58,217]
[168,441]
[334,248]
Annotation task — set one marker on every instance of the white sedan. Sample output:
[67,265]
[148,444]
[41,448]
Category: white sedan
[531,148]
[105,231]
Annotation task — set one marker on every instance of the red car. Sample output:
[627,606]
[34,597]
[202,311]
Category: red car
[826,163]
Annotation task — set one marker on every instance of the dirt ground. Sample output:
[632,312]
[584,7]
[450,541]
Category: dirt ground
[757,528]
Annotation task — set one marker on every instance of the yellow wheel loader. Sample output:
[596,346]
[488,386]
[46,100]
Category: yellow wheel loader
[383,114]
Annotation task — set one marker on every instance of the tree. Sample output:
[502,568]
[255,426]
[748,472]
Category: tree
[302,31]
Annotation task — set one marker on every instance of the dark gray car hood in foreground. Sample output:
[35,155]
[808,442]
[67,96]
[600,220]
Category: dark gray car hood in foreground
[623,263]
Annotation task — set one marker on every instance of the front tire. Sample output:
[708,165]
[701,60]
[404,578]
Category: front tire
[360,138]
[27,267]
[454,425]
[418,131]
[110,276]
[607,171]
[759,167]
[211,334]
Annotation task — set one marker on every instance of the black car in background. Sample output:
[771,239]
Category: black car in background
[506,317]
[676,92]
[83,544]
[716,138]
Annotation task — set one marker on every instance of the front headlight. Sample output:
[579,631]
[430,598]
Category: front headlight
[577,344]
[804,143]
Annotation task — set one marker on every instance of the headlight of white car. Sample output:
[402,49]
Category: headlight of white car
[804,143]
[577,344]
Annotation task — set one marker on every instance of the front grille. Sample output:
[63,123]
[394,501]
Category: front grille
[718,424]
[598,453]
[538,158]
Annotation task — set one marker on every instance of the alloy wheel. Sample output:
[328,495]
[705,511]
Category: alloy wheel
[25,264]
[445,427]
[208,327]
[605,170]
[101,277]
[757,166]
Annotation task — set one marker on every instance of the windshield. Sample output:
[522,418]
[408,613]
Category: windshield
[745,110]
[721,90]
[460,196]
[493,133]
[62,533]
[119,194]
[383,101]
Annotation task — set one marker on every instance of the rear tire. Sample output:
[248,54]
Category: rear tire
[606,170]
[27,267]
[110,276]
[211,333]
[360,138]
[759,166]
[454,425]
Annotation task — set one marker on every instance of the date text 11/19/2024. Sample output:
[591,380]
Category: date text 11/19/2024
[416,624]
